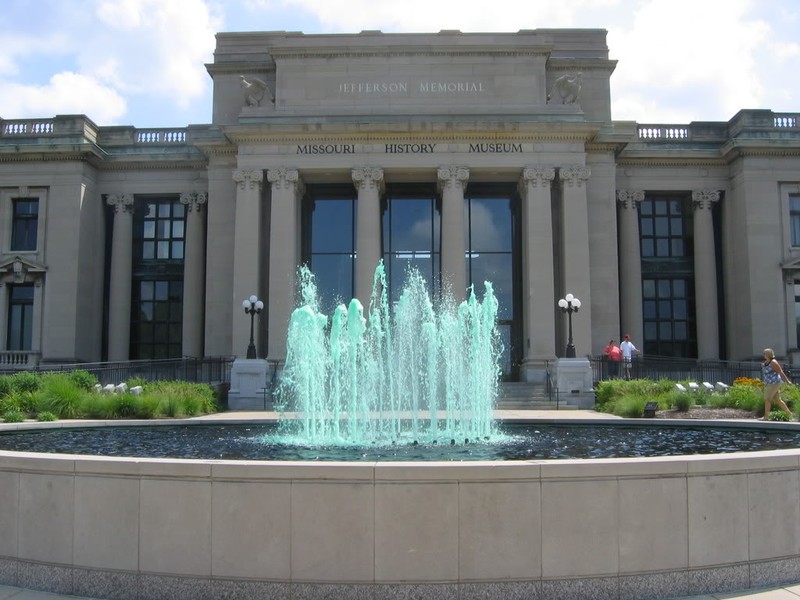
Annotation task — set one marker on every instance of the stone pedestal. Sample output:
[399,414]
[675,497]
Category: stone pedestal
[248,384]
[573,381]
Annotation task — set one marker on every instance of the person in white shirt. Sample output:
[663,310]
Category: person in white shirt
[628,350]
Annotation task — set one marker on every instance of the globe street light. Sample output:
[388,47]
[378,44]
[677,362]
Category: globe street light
[569,304]
[252,306]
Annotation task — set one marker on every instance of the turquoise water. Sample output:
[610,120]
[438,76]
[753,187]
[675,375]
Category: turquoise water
[413,372]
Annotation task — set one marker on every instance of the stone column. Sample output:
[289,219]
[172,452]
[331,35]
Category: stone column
[4,299]
[194,274]
[452,183]
[119,300]
[705,275]
[369,183]
[284,255]
[246,252]
[630,268]
[537,268]
[575,252]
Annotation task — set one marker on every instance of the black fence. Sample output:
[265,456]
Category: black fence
[212,370]
[677,369]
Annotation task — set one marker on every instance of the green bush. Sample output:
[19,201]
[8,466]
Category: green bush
[124,405]
[170,405]
[746,397]
[147,407]
[683,401]
[779,415]
[60,394]
[98,406]
[46,416]
[83,379]
[25,381]
[13,416]
[630,405]
[5,385]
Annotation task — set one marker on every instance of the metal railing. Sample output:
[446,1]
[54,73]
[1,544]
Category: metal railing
[679,369]
[212,370]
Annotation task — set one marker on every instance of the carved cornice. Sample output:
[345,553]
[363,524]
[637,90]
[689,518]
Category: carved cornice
[382,51]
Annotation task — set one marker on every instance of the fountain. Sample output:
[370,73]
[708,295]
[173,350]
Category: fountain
[418,375]
[152,528]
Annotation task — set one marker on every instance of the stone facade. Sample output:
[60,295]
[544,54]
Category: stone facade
[293,113]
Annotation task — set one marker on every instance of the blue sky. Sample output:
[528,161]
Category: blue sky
[142,62]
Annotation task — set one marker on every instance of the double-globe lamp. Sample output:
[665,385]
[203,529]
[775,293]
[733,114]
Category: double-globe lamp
[569,304]
[252,306]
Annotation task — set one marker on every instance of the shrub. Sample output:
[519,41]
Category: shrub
[170,405]
[779,415]
[682,401]
[147,407]
[46,416]
[5,385]
[60,395]
[124,405]
[83,379]
[13,416]
[630,405]
[746,397]
[751,381]
[25,381]
[98,406]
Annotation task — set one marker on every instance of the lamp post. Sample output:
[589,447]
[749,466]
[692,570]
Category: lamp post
[252,306]
[569,304]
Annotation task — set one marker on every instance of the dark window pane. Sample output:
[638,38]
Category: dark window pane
[164,210]
[662,226]
[664,309]
[647,248]
[334,276]
[177,250]
[149,230]
[490,225]
[148,250]
[647,227]
[163,250]
[664,288]
[332,226]
[650,329]
[161,290]
[649,288]
[177,229]
[649,309]
[662,247]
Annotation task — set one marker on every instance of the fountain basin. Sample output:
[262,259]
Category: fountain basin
[582,528]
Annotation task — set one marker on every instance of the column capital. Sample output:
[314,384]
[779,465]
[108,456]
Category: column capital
[285,179]
[122,203]
[629,198]
[574,175]
[248,178]
[194,200]
[704,199]
[366,178]
[452,177]
[538,176]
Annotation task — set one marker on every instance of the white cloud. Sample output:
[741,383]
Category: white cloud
[156,47]
[66,93]
[696,58]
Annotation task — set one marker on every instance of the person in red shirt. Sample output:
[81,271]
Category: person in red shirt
[613,356]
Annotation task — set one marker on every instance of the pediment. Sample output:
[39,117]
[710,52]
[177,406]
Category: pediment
[791,265]
[19,268]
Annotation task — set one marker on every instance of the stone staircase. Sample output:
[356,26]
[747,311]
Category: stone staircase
[519,395]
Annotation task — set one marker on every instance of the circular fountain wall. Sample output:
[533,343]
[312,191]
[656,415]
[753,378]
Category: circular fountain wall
[618,528]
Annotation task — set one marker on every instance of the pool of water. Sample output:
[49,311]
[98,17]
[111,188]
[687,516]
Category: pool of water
[528,441]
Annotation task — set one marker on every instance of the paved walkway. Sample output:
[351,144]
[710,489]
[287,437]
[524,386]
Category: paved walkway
[784,593]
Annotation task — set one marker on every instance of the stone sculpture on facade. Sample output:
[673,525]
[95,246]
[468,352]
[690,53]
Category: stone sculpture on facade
[254,91]
[567,88]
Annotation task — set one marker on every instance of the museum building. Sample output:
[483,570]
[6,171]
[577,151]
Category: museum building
[468,156]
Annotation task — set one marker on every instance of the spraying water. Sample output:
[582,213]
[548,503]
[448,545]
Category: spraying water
[418,375]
